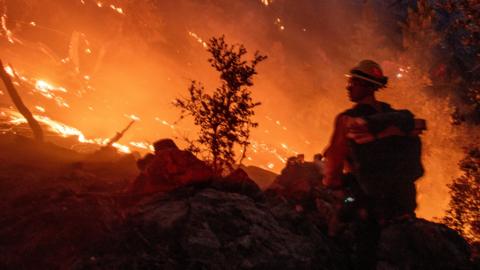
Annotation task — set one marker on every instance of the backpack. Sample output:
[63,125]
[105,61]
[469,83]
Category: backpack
[385,163]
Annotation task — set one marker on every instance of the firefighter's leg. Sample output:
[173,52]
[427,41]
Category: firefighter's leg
[403,201]
[367,235]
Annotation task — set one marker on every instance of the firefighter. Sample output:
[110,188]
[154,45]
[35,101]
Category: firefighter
[373,159]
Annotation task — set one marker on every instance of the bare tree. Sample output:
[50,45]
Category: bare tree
[17,100]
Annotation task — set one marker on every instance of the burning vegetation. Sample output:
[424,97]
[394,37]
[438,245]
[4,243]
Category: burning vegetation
[97,83]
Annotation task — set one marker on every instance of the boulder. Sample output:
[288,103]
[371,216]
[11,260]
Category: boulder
[239,182]
[168,169]
[262,177]
[421,244]
[202,226]
[296,181]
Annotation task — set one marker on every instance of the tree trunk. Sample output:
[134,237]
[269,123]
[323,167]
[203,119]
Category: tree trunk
[34,125]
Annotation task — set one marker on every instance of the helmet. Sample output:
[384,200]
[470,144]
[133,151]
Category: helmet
[370,71]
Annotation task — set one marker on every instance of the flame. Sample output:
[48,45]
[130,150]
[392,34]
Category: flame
[164,122]
[117,9]
[198,38]
[266,2]
[9,71]
[99,4]
[8,33]
[66,131]
[47,90]
[40,108]
[122,148]
[142,145]
[269,155]
[132,117]
[43,86]
[278,22]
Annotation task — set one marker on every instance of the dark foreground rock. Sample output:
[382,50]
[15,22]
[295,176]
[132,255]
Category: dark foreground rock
[297,180]
[210,226]
[73,217]
[420,244]
[202,226]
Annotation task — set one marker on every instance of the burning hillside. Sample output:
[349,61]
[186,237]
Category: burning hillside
[87,68]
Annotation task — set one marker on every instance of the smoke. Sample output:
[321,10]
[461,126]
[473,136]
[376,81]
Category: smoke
[138,60]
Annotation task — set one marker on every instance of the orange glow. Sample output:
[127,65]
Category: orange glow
[66,131]
[134,65]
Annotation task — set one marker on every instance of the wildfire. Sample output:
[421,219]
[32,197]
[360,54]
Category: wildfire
[40,108]
[7,32]
[65,130]
[278,22]
[132,117]
[47,90]
[99,4]
[117,9]
[164,122]
[142,145]
[266,2]
[122,148]
[269,150]
[402,72]
[40,86]
[9,71]
[198,38]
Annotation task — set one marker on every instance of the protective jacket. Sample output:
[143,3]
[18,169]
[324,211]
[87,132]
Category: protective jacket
[382,150]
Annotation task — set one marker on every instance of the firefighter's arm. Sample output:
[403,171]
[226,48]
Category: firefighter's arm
[359,130]
[336,154]
[402,119]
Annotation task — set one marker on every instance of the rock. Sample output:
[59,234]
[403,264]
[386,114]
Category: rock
[420,244]
[164,144]
[53,227]
[262,177]
[69,218]
[239,182]
[202,227]
[296,181]
[168,169]
[172,168]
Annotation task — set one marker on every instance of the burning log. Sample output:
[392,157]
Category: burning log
[119,135]
[17,100]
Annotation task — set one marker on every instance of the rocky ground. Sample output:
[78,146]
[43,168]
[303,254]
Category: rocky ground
[64,210]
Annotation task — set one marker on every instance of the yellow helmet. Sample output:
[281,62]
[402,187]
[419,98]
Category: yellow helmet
[370,71]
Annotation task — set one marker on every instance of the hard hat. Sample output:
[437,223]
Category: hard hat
[370,71]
